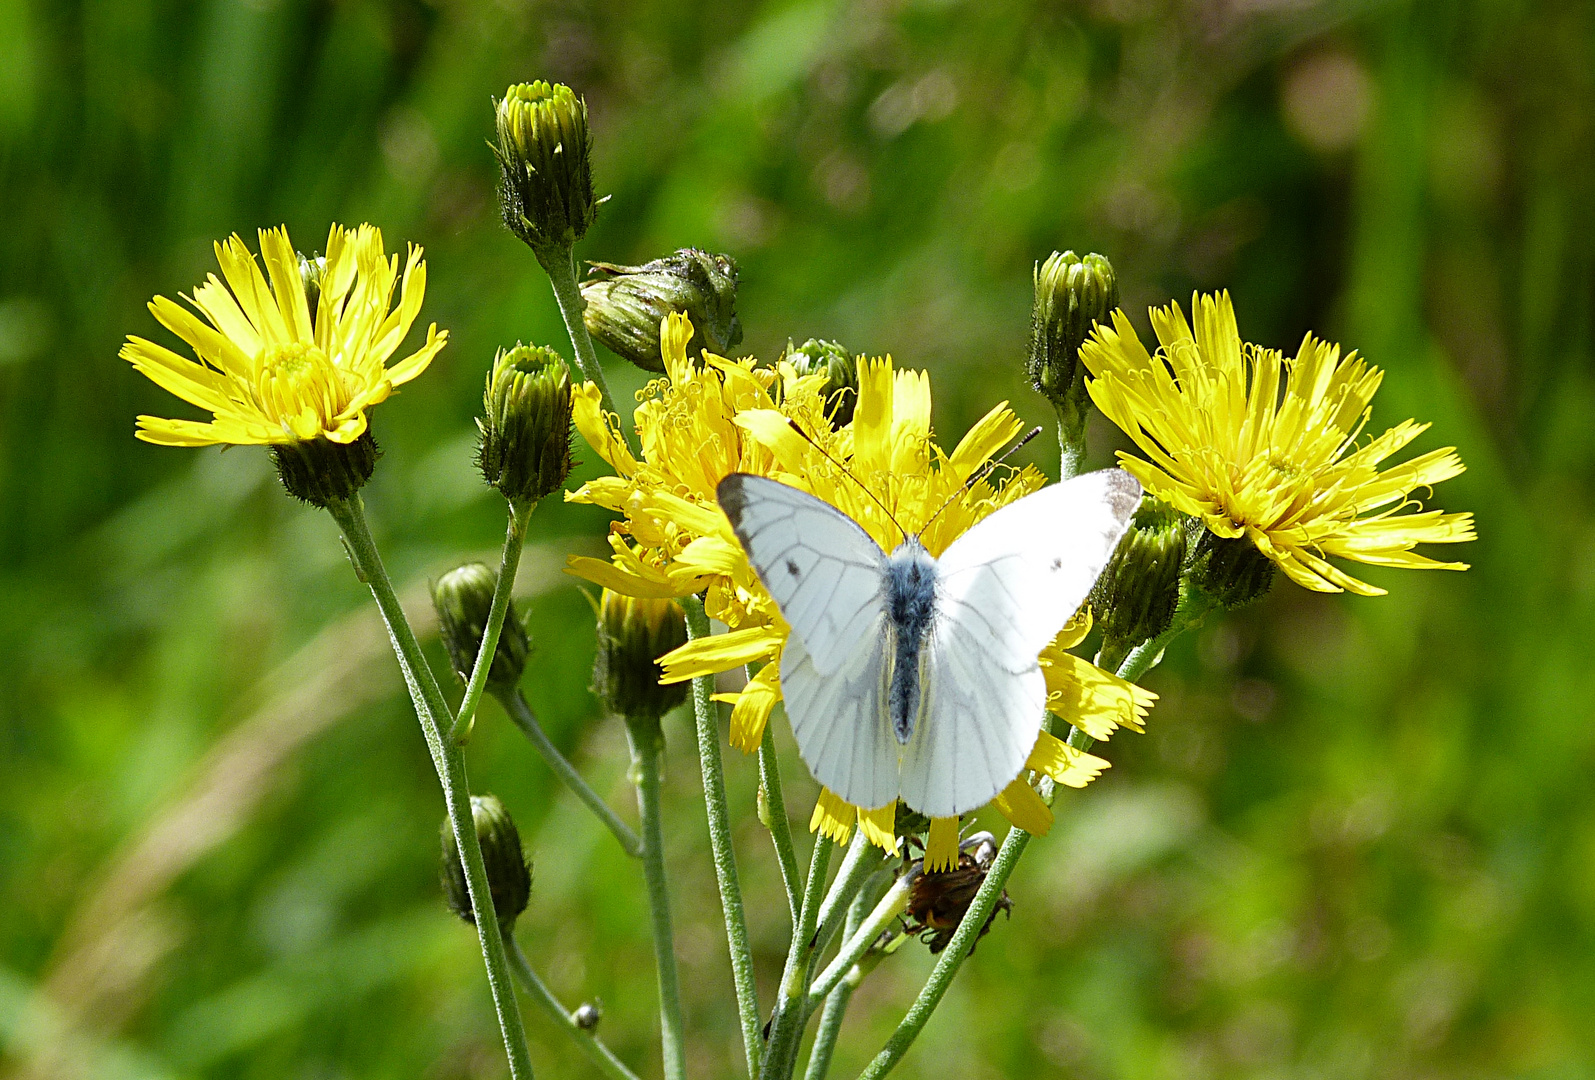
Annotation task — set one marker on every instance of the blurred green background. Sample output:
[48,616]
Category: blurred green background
[1359,837]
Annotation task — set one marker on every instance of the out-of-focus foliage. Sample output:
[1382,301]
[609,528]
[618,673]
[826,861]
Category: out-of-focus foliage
[1359,838]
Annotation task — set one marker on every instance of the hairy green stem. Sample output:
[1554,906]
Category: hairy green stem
[1071,438]
[595,1049]
[857,943]
[521,714]
[561,269]
[786,1026]
[514,541]
[779,824]
[857,866]
[646,747]
[707,715]
[952,957]
[830,1026]
[433,711]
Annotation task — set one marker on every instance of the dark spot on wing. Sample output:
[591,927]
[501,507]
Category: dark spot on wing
[792,568]
[732,498]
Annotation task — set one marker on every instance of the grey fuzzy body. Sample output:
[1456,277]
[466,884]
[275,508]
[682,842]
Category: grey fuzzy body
[910,605]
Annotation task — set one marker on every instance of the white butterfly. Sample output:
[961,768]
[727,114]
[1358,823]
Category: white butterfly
[916,677]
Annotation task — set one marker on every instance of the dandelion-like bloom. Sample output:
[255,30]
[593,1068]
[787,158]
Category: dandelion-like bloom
[272,370]
[709,418]
[1265,447]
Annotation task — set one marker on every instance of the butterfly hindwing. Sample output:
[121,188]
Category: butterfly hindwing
[1005,587]
[840,722]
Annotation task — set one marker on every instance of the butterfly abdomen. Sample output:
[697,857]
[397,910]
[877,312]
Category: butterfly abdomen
[910,605]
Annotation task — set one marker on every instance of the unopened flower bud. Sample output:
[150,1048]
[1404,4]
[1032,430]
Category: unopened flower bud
[545,176]
[1230,571]
[1135,597]
[525,450]
[321,471]
[626,305]
[841,375]
[509,878]
[311,272]
[633,634]
[462,598]
[1072,296]
[587,1015]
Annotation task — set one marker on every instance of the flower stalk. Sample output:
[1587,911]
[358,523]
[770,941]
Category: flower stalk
[773,810]
[561,270]
[790,1007]
[520,713]
[447,756]
[706,713]
[520,513]
[645,754]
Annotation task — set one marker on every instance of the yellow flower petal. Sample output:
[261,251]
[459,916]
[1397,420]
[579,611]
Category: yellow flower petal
[1021,805]
[1095,701]
[941,845]
[1066,765]
[880,826]
[752,709]
[833,817]
[720,652]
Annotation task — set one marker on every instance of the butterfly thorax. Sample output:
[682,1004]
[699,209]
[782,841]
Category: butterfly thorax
[910,605]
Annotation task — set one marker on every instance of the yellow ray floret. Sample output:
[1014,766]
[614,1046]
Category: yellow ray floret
[1266,447]
[270,369]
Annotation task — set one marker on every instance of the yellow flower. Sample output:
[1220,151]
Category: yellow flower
[709,418]
[271,370]
[1263,446]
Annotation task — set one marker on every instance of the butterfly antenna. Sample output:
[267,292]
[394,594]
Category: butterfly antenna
[844,470]
[978,475]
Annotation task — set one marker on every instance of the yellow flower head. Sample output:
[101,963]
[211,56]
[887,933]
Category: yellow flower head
[709,418]
[1263,446]
[271,369]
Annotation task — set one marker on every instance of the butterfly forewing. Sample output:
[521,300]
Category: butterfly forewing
[823,570]
[1006,587]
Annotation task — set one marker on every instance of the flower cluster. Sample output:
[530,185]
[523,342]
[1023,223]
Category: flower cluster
[710,417]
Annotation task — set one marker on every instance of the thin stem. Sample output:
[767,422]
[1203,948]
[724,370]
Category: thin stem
[521,713]
[941,976]
[856,868]
[433,712]
[707,715]
[514,541]
[646,747]
[859,941]
[836,1001]
[786,1024]
[594,1047]
[561,268]
[779,824]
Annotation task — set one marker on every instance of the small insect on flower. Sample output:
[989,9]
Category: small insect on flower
[937,902]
